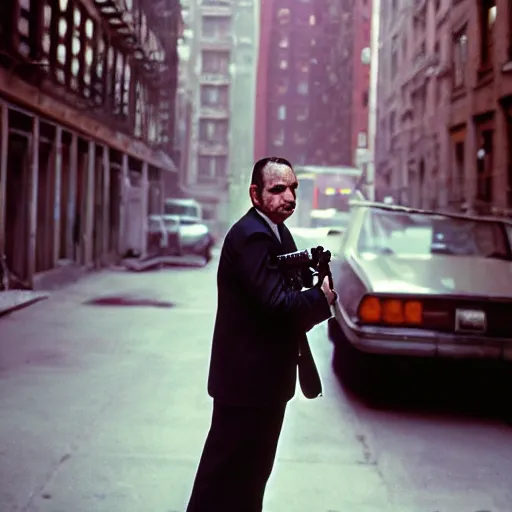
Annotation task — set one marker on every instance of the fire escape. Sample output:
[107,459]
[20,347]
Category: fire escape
[163,17]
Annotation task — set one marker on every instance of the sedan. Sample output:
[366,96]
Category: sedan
[420,284]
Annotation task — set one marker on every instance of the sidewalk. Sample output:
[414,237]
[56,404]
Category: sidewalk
[12,300]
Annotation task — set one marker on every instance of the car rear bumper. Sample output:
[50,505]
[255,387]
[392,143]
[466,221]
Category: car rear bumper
[420,343]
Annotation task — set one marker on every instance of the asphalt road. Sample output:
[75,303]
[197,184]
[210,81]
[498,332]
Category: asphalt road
[103,408]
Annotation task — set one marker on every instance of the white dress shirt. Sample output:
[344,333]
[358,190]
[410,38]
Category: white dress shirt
[273,225]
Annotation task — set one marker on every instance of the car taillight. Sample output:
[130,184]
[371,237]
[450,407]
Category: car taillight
[390,311]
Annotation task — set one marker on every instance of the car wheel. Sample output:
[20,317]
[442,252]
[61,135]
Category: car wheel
[208,254]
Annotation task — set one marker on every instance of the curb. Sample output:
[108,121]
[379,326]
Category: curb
[11,301]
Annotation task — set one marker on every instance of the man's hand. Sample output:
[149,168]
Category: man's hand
[330,295]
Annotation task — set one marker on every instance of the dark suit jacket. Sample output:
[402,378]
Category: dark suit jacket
[260,321]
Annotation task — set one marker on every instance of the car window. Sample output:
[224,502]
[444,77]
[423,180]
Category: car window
[171,223]
[187,222]
[172,208]
[391,232]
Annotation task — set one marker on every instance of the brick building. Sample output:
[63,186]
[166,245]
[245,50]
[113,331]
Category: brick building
[87,92]
[444,132]
[307,73]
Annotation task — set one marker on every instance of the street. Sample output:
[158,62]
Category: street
[104,408]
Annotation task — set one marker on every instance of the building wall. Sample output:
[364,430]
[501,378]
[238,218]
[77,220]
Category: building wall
[361,82]
[306,80]
[266,16]
[443,123]
[87,115]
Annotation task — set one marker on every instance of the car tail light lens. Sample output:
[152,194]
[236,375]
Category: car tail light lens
[370,310]
[390,311]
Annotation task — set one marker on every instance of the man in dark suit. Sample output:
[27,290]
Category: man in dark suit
[259,340]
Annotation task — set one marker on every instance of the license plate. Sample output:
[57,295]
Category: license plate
[470,320]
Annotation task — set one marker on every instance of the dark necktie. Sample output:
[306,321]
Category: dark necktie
[280,229]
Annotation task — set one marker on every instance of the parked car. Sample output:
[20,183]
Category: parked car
[419,284]
[163,235]
[189,208]
[195,237]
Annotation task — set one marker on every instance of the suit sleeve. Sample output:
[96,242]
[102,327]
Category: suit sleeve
[264,283]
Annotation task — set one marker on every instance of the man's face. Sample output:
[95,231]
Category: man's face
[277,199]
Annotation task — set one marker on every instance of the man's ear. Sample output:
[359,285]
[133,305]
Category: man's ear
[255,197]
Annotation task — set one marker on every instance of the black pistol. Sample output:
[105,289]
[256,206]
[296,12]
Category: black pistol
[299,263]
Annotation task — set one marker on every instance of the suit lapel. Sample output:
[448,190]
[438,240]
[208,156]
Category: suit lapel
[287,240]
[259,219]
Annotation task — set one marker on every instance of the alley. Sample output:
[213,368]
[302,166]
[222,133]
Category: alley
[104,408]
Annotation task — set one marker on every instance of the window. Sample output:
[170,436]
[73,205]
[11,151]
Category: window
[282,86]
[303,88]
[302,113]
[215,62]
[283,64]
[211,168]
[397,233]
[214,95]
[215,27]
[281,113]
[283,16]
[284,42]
[460,58]
[485,167]
[365,98]
[215,132]
[487,24]
[303,65]
[300,138]
[458,185]
[278,137]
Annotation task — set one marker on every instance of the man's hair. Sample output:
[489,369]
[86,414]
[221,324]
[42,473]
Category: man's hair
[257,171]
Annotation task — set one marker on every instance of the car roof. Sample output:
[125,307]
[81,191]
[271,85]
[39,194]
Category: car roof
[360,203]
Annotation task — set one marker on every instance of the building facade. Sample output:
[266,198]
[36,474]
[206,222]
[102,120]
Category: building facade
[243,106]
[445,88]
[362,20]
[87,117]
[309,67]
[219,105]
